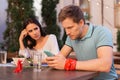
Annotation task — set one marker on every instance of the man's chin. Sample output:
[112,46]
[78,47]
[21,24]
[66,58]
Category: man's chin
[73,38]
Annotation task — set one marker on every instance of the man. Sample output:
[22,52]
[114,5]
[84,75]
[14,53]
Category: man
[92,45]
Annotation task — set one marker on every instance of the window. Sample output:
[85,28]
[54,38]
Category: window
[117,1]
[73,1]
[85,6]
[117,13]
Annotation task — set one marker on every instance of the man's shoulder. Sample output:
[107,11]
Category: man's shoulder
[101,29]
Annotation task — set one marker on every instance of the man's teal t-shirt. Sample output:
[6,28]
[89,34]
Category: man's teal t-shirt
[86,48]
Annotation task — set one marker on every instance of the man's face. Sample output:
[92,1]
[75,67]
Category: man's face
[73,30]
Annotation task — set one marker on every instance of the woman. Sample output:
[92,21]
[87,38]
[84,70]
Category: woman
[33,37]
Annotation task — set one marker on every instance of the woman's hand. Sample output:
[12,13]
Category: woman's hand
[23,35]
[56,62]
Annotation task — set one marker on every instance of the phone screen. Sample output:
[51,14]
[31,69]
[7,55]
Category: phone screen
[48,53]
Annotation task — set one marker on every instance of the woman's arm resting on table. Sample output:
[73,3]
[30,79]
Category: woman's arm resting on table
[23,51]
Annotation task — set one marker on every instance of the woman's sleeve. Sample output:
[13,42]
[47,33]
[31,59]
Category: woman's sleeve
[54,44]
[24,53]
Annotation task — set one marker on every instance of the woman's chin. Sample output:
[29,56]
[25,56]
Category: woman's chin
[36,38]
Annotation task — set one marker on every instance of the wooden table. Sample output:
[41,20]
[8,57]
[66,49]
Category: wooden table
[6,73]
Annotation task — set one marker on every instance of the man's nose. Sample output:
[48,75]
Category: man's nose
[67,32]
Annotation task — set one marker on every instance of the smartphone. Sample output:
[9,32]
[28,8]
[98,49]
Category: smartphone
[48,53]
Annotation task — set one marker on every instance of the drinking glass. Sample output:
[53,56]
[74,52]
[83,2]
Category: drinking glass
[3,57]
[37,60]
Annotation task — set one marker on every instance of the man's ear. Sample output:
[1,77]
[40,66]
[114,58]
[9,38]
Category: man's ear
[81,22]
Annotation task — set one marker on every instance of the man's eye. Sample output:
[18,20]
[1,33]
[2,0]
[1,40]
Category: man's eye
[70,27]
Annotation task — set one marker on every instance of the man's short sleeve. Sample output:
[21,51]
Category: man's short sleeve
[104,38]
[68,41]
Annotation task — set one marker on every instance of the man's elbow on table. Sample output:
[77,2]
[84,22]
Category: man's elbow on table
[106,67]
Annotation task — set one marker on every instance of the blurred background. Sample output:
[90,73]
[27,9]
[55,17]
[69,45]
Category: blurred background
[14,12]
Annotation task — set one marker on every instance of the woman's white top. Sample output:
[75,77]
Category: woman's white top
[50,45]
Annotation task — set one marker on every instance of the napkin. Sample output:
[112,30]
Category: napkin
[24,61]
[18,67]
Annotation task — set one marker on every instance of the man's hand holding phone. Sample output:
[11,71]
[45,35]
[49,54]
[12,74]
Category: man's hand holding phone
[57,61]
[48,53]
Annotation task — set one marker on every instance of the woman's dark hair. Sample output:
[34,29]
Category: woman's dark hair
[28,41]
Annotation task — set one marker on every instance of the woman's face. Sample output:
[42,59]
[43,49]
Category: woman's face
[33,31]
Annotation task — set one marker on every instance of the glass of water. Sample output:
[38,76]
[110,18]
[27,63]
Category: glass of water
[37,60]
[3,57]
